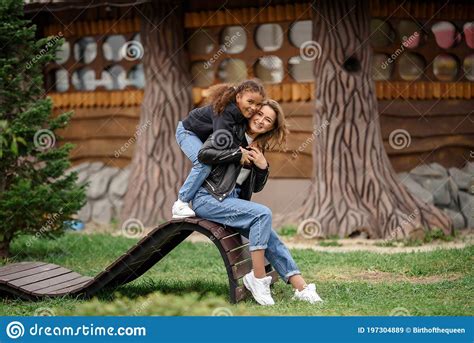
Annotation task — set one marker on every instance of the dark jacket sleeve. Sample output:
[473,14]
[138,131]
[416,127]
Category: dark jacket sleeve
[261,176]
[212,152]
[223,124]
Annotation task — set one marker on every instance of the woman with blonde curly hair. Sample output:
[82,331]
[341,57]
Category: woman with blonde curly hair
[236,173]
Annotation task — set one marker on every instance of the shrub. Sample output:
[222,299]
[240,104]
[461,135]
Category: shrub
[35,194]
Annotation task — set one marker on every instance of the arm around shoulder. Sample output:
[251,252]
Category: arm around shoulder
[213,153]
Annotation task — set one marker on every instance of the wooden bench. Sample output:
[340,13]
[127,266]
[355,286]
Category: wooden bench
[36,280]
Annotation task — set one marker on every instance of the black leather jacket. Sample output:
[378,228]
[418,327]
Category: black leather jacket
[226,168]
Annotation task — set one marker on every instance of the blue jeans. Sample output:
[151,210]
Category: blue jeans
[191,144]
[253,221]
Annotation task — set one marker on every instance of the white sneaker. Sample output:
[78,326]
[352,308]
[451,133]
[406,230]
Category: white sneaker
[308,294]
[260,288]
[182,210]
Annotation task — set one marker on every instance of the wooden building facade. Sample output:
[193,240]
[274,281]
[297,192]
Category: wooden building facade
[423,69]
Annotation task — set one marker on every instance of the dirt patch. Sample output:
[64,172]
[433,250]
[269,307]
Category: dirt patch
[376,276]
[465,238]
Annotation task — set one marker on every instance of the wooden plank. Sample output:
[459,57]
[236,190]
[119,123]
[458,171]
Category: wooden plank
[51,282]
[231,242]
[101,147]
[429,108]
[18,267]
[420,145]
[12,265]
[120,162]
[98,98]
[146,246]
[16,293]
[419,127]
[101,128]
[302,141]
[142,259]
[144,251]
[285,165]
[28,272]
[300,124]
[236,255]
[126,274]
[114,112]
[217,230]
[242,268]
[70,288]
[116,262]
[194,220]
[121,271]
[39,277]
[300,108]
[71,283]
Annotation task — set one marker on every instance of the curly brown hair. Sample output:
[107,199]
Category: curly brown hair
[222,94]
[276,137]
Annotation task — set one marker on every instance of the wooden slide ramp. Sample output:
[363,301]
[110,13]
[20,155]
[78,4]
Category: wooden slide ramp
[36,280]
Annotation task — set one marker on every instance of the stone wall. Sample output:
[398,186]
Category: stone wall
[107,187]
[449,189]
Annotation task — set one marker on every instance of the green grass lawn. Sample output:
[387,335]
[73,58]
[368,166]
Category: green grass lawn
[192,281]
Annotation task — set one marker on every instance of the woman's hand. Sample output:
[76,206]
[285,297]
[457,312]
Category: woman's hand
[257,158]
[245,160]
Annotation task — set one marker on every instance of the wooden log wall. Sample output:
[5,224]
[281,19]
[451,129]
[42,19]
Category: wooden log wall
[421,9]
[440,132]
[102,134]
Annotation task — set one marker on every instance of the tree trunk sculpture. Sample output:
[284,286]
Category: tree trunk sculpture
[354,187]
[158,165]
